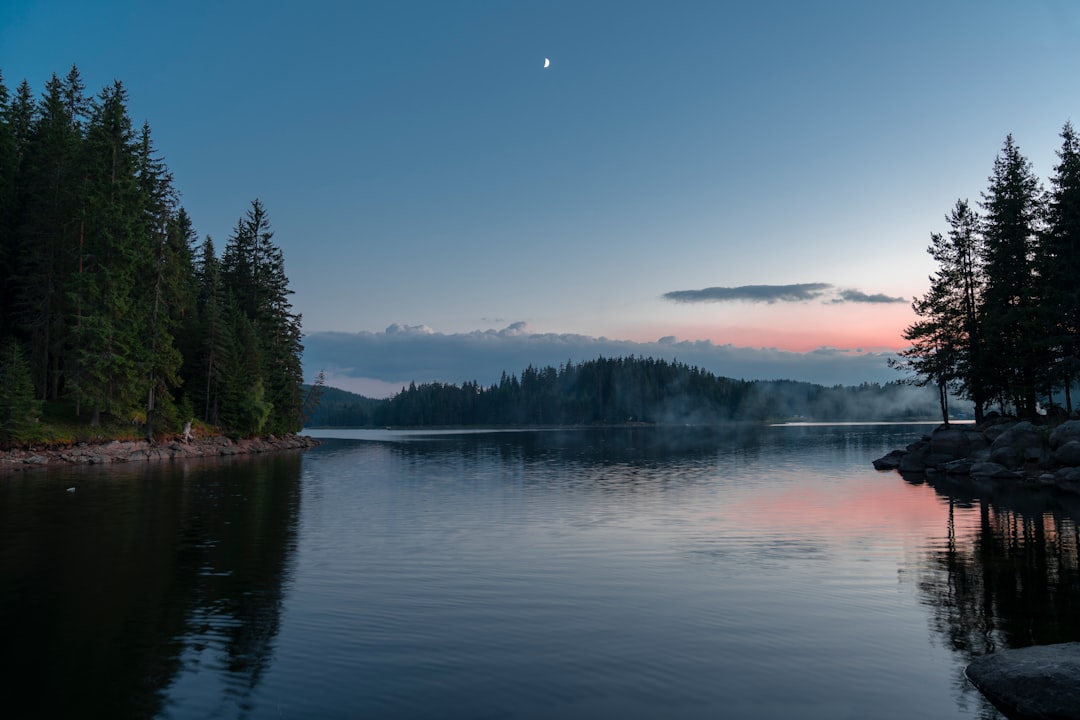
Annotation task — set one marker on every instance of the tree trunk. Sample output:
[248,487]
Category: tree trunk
[943,399]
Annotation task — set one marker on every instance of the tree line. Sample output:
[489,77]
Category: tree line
[109,304]
[1000,323]
[609,391]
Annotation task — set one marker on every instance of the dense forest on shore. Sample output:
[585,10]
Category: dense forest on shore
[1000,324]
[111,310]
[622,390]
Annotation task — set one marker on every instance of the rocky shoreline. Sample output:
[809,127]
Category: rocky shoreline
[1000,450]
[126,451]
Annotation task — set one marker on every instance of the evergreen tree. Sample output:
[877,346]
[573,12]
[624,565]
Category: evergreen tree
[1014,348]
[16,116]
[19,409]
[253,267]
[213,343]
[163,293]
[244,406]
[106,341]
[52,171]
[1059,265]
[314,396]
[946,343]
[8,180]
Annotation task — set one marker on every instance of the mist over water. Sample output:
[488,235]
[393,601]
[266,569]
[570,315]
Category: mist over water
[629,572]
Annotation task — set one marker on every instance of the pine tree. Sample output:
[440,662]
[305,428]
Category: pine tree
[106,341]
[946,345]
[253,267]
[19,410]
[8,180]
[1014,349]
[213,343]
[1059,263]
[16,117]
[51,175]
[314,396]
[163,293]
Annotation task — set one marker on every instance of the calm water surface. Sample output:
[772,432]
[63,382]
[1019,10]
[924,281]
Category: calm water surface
[634,573]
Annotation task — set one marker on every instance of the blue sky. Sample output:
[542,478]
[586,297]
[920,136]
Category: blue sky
[756,182]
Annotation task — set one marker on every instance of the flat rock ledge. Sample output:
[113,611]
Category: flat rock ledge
[1003,450]
[123,451]
[1031,683]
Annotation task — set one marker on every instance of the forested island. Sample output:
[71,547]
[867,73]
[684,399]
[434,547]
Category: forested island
[115,320]
[610,391]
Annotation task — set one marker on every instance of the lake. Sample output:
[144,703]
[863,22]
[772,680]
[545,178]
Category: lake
[625,572]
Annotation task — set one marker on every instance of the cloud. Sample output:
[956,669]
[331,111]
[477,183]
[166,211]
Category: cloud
[380,363]
[857,296]
[751,293]
[396,329]
[802,292]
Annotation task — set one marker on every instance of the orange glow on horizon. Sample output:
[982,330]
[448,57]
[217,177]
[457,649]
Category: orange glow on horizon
[799,328]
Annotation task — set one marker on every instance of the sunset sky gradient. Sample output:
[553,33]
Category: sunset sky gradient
[423,170]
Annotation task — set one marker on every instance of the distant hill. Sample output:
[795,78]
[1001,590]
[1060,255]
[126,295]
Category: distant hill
[341,408]
[621,390]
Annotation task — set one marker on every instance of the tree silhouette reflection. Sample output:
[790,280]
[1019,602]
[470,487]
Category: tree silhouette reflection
[112,593]
[1007,572]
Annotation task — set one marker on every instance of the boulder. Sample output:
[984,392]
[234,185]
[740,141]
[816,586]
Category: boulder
[1020,443]
[1033,682]
[890,461]
[1066,432]
[958,467]
[912,463]
[1005,455]
[993,471]
[1068,454]
[957,442]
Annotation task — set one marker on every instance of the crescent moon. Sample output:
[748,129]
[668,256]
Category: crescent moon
[547,63]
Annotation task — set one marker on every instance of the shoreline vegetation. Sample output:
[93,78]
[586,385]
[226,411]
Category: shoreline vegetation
[107,452]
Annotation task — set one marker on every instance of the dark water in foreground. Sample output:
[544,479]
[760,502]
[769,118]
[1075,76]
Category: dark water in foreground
[626,573]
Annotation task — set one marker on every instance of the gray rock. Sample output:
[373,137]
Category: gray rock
[1022,435]
[1068,431]
[890,461]
[993,471]
[912,463]
[1068,454]
[1068,474]
[957,442]
[1047,479]
[958,467]
[1033,682]
[1006,455]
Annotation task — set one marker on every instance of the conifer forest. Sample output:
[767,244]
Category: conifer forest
[112,310]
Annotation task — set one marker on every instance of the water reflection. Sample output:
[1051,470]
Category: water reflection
[108,592]
[1008,572]
[1005,572]
[503,574]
